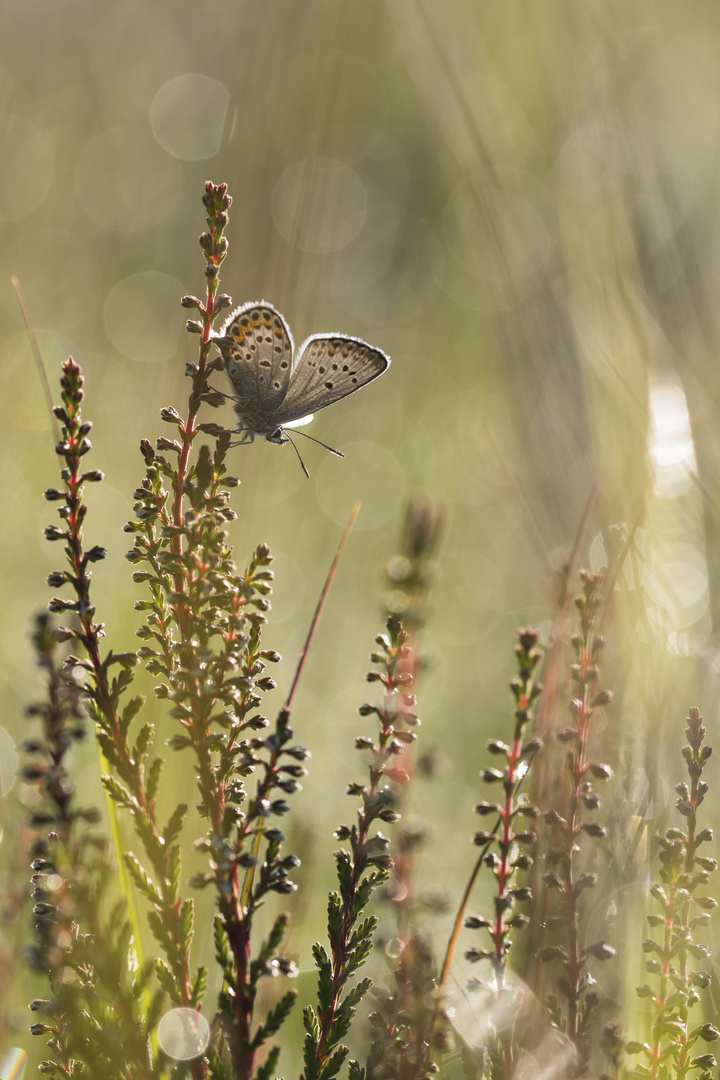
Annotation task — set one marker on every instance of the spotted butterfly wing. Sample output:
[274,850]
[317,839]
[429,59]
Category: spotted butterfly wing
[328,368]
[257,349]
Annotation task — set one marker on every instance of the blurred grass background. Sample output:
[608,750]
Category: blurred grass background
[518,202]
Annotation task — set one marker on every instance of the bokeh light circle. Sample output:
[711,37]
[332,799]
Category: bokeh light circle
[499,239]
[125,181]
[183,1034]
[595,158]
[57,299]
[23,404]
[143,317]
[370,474]
[320,204]
[25,167]
[187,116]
[676,584]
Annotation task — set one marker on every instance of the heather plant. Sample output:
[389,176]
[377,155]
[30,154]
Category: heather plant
[505,852]
[671,1047]
[113,931]
[573,1001]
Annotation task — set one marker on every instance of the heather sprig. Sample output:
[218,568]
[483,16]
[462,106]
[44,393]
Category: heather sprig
[411,574]
[101,1010]
[134,777]
[684,907]
[363,867]
[574,1002]
[203,628]
[407,1023]
[504,849]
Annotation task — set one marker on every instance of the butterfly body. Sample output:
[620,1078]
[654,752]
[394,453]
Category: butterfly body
[273,387]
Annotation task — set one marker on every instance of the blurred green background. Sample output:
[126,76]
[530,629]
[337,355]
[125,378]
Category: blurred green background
[519,203]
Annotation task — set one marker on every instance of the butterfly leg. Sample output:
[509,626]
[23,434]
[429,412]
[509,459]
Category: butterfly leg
[248,436]
[228,397]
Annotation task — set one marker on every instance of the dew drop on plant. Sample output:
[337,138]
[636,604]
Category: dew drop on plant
[13,1064]
[183,1034]
[394,948]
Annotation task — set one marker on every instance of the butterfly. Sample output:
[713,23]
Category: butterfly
[273,388]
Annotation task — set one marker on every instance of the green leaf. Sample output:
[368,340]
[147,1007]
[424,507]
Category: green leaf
[355,995]
[275,937]
[223,953]
[146,733]
[118,792]
[265,1071]
[142,879]
[199,986]
[311,1023]
[166,980]
[160,932]
[322,961]
[274,1019]
[187,911]
[333,1066]
[152,781]
[175,823]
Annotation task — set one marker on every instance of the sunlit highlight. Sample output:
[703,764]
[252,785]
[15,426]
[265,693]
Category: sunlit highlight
[670,442]
[13,1064]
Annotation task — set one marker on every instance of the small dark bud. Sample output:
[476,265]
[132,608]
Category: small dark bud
[476,922]
[532,746]
[170,415]
[703,1061]
[600,771]
[54,533]
[40,1029]
[594,829]
[423,524]
[601,951]
[491,776]
[481,838]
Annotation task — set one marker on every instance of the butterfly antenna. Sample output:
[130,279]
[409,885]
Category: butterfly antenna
[305,436]
[298,453]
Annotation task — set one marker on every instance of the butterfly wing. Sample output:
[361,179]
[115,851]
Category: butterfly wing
[257,351]
[328,368]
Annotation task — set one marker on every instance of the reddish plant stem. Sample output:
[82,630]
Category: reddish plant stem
[504,872]
[661,1000]
[577,772]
